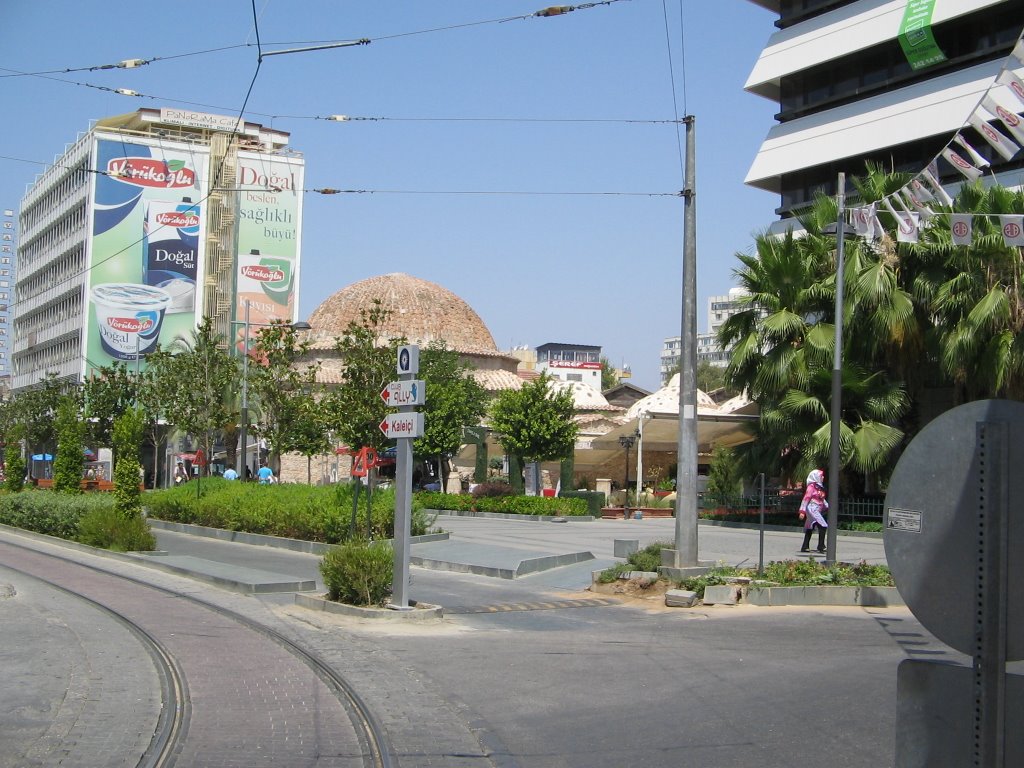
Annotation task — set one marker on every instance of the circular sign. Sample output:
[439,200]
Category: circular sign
[934,513]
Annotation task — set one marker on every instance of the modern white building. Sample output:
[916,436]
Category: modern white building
[851,88]
[8,248]
[146,223]
[571,362]
[720,309]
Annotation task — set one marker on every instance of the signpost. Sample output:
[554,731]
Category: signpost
[405,426]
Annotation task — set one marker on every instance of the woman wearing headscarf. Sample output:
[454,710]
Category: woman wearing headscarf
[812,510]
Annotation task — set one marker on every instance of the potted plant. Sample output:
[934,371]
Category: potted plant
[665,487]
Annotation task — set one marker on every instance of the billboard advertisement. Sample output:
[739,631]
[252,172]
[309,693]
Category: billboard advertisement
[268,247]
[145,252]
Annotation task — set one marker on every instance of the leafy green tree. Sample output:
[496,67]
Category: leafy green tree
[204,379]
[35,410]
[157,389]
[309,432]
[127,435]
[283,393]
[69,459]
[355,406]
[724,478]
[107,393]
[710,377]
[608,377]
[14,461]
[534,423]
[454,401]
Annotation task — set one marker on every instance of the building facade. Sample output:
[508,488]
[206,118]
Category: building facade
[571,362]
[851,88]
[148,222]
[720,309]
[8,248]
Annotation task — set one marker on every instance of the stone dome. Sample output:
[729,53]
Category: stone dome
[420,310]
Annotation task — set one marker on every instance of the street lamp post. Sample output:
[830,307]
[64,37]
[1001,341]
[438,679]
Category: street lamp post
[836,414]
[242,461]
[626,441]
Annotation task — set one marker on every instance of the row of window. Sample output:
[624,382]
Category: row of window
[48,317]
[569,355]
[70,228]
[61,272]
[982,36]
[54,198]
[49,357]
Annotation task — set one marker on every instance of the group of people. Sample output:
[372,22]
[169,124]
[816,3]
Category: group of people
[264,476]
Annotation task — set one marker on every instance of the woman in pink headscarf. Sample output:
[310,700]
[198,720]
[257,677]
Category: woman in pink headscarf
[812,510]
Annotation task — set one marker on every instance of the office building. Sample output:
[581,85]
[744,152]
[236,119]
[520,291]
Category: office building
[146,223]
[720,309]
[851,88]
[8,248]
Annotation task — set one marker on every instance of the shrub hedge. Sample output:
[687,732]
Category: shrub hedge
[311,513]
[511,505]
[359,573]
[89,518]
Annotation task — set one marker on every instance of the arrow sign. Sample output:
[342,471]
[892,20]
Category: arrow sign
[397,425]
[401,393]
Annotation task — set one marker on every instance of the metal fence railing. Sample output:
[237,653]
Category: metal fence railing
[784,507]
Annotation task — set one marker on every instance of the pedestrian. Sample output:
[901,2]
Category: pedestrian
[265,475]
[180,475]
[230,474]
[812,510]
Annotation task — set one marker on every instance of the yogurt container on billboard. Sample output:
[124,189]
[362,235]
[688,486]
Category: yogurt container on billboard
[129,316]
[170,233]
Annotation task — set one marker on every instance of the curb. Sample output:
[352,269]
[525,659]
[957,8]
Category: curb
[422,612]
[263,540]
[735,594]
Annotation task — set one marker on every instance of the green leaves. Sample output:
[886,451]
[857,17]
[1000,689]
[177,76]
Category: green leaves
[533,423]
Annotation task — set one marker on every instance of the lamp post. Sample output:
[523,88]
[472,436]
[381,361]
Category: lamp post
[626,441]
[836,414]
[242,461]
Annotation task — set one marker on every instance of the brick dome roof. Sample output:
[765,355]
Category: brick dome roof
[420,310]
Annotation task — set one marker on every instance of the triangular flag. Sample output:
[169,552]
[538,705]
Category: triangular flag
[861,219]
[968,170]
[906,223]
[961,228]
[917,204]
[996,139]
[931,175]
[1015,84]
[1013,229]
[1011,120]
[920,190]
[972,153]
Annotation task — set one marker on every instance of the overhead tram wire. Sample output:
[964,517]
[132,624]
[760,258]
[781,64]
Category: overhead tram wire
[672,79]
[556,10]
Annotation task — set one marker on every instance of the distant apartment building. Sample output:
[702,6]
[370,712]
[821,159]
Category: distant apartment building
[720,309]
[8,249]
[571,362]
[148,222]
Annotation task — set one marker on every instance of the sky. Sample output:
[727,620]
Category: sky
[528,165]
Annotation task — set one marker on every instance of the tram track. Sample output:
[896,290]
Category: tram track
[173,652]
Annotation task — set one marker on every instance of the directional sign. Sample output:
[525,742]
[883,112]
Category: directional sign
[408,359]
[402,425]
[399,393]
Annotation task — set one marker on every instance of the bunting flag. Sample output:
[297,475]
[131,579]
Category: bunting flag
[931,175]
[1001,143]
[865,222]
[922,210]
[977,160]
[1018,51]
[1008,78]
[906,223]
[961,228]
[968,170]
[1012,227]
[1010,120]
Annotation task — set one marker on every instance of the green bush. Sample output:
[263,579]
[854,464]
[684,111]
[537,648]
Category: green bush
[493,488]
[54,514]
[595,500]
[107,528]
[646,559]
[68,463]
[14,467]
[311,513]
[509,505]
[359,573]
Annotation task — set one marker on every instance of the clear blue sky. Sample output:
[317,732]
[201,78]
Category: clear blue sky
[588,268]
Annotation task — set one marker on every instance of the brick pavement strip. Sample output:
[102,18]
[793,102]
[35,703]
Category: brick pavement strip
[78,688]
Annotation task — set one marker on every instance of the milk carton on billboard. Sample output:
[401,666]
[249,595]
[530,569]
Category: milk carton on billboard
[171,234]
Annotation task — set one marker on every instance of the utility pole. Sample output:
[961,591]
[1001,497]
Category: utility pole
[686,455]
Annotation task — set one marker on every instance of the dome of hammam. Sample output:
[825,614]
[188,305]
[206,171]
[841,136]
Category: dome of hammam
[421,311]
